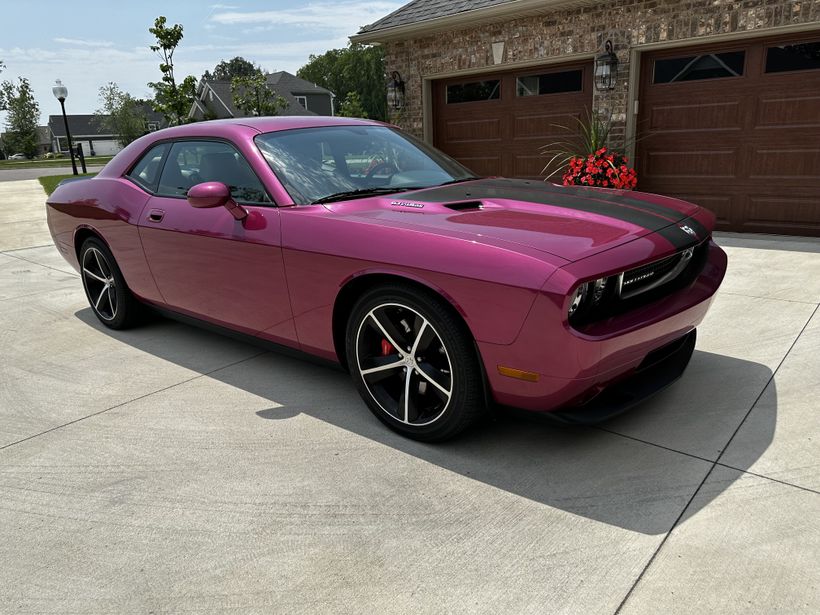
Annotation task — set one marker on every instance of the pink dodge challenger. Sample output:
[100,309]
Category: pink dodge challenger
[439,291]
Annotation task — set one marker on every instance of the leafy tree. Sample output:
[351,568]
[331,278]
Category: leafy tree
[171,99]
[352,106]
[23,116]
[226,70]
[121,114]
[357,68]
[253,96]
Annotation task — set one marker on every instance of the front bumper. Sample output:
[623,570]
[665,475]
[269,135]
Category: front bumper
[574,367]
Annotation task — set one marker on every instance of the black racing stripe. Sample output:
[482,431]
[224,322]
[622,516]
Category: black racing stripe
[583,192]
[679,238]
[625,209]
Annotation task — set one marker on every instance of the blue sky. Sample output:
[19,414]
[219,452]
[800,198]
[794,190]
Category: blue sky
[87,44]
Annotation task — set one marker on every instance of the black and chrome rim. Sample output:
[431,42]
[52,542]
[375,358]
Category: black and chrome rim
[404,364]
[99,283]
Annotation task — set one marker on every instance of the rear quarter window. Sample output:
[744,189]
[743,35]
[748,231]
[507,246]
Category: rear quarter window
[147,170]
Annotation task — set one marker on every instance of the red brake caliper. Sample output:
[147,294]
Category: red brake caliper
[387,348]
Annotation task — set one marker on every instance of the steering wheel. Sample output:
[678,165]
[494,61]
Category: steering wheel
[389,167]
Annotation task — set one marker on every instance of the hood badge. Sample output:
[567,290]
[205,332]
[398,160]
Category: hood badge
[688,230]
[407,204]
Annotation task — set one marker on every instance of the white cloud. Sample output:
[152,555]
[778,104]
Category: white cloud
[346,17]
[83,42]
[225,7]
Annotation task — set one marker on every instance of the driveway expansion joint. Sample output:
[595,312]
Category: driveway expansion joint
[715,464]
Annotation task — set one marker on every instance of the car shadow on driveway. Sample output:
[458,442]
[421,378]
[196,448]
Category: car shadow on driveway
[635,472]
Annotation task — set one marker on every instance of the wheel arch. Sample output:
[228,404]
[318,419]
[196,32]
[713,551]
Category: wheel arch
[357,285]
[81,234]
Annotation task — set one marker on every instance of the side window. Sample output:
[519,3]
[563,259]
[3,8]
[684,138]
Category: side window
[146,172]
[193,162]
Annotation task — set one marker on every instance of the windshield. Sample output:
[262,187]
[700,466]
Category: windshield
[314,164]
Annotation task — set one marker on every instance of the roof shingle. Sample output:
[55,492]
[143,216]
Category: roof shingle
[424,10]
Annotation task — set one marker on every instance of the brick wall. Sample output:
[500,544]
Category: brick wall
[583,30]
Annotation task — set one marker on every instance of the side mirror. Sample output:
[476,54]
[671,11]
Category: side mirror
[215,194]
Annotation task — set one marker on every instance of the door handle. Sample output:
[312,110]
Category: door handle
[156,215]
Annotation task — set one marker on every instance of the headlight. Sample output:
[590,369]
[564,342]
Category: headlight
[588,295]
[578,298]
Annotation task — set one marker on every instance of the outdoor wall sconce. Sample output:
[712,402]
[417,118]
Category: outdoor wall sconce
[395,91]
[606,68]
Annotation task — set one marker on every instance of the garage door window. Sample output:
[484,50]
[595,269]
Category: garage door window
[800,56]
[474,91]
[695,68]
[550,83]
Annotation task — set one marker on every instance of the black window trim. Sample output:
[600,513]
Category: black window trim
[768,46]
[497,77]
[696,56]
[539,73]
[172,141]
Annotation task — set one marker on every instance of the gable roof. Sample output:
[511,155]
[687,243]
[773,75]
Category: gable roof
[423,10]
[222,103]
[283,80]
[80,125]
[89,124]
[420,17]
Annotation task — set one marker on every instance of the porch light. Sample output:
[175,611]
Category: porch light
[395,91]
[606,68]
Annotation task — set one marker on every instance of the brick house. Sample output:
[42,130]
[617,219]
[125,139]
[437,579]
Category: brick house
[722,95]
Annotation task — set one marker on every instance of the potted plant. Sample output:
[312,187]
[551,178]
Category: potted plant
[587,160]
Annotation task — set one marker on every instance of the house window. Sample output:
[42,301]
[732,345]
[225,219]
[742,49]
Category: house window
[152,126]
[550,83]
[474,91]
[799,56]
[302,100]
[695,68]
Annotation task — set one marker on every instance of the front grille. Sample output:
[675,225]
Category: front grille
[636,279]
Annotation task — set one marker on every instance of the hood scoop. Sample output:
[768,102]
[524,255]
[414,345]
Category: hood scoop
[465,206]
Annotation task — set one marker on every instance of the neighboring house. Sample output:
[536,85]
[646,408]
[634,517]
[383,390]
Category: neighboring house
[723,95]
[43,142]
[89,130]
[215,101]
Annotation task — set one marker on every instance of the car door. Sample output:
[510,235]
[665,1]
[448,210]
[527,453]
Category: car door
[206,263]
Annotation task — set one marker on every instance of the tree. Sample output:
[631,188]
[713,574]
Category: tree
[173,100]
[121,114]
[23,117]
[356,68]
[226,70]
[352,106]
[253,96]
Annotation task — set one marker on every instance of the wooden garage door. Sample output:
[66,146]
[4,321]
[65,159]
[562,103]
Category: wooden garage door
[496,123]
[736,128]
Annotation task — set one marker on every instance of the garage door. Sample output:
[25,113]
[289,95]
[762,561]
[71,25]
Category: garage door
[496,123]
[736,128]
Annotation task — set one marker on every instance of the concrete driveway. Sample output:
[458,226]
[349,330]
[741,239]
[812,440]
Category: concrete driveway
[167,470]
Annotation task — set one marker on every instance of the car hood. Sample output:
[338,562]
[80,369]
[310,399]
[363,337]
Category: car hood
[570,222]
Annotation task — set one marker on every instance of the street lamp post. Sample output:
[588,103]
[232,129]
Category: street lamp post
[61,93]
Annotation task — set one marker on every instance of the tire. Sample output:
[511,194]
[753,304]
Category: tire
[431,394]
[106,290]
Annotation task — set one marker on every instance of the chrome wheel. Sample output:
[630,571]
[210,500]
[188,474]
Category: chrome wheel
[100,284]
[404,364]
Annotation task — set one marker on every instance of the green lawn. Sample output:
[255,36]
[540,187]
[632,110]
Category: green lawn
[49,182]
[52,163]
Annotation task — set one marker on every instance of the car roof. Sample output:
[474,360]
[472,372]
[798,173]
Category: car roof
[234,127]
[265,124]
